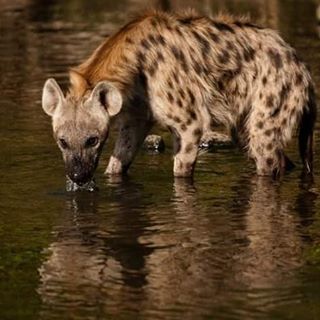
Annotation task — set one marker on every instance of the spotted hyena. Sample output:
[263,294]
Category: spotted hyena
[188,73]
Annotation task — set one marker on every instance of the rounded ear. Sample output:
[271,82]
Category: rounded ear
[108,96]
[52,96]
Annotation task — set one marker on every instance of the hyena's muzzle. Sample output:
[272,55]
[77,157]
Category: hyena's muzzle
[80,168]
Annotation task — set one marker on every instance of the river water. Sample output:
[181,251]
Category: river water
[227,246]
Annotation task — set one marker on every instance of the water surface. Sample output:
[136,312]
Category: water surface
[227,246]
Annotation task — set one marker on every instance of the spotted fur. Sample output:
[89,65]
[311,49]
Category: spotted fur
[190,72]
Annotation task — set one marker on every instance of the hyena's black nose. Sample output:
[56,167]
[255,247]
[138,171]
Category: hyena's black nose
[79,171]
[80,178]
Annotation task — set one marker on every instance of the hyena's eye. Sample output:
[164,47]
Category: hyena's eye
[63,143]
[91,142]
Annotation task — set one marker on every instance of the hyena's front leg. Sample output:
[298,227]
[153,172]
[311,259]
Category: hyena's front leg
[131,135]
[186,143]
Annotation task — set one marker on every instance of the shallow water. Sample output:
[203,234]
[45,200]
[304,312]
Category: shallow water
[227,246]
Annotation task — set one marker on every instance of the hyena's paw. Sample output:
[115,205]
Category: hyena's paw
[115,167]
[274,166]
[183,168]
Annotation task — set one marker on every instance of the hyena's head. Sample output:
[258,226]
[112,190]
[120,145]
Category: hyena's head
[81,125]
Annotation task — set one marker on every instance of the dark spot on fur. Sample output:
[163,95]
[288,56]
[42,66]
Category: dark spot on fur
[152,39]
[247,25]
[292,113]
[175,77]
[182,94]
[183,127]
[223,27]
[284,93]
[153,22]
[203,43]
[170,97]
[224,57]
[269,146]
[161,39]
[275,58]
[248,54]
[170,84]
[192,114]
[153,68]
[230,46]
[255,74]
[229,75]
[180,104]
[168,25]
[206,70]
[141,58]
[270,162]
[179,55]
[289,56]
[197,67]
[197,132]
[214,37]
[145,44]
[268,133]
[186,20]
[160,56]
[260,125]
[284,122]
[179,32]
[299,79]
[220,85]
[176,119]
[129,40]
[191,95]
[189,147]
[275,112]
[270,101]
[175,52]
[264,80]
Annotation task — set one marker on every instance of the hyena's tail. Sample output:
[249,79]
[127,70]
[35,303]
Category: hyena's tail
[306,129]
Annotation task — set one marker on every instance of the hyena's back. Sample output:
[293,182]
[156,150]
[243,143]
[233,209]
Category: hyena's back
[197,72]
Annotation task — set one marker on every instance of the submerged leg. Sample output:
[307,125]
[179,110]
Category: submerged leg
[186,151]
[269,157]
[130,137]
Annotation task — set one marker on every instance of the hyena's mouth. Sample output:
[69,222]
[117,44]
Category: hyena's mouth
[72,186]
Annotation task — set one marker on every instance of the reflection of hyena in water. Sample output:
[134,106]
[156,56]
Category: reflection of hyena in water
[187,73]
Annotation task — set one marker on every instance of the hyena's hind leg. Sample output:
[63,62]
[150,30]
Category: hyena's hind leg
[269,155]
[131,135]
[185,148]
[265,146]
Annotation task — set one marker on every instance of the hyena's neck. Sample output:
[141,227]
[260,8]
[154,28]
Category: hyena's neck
[115,60]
